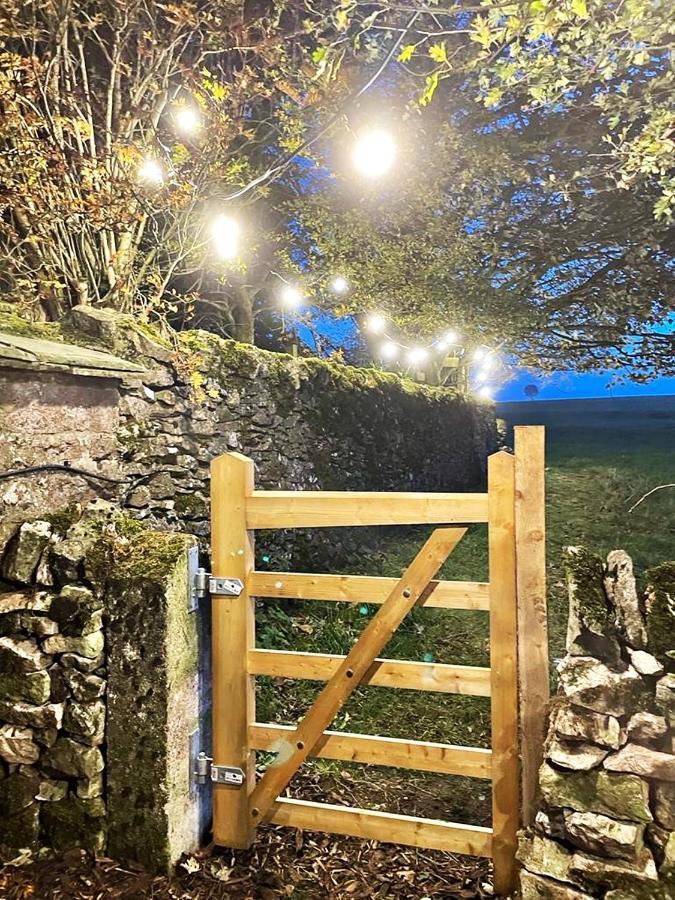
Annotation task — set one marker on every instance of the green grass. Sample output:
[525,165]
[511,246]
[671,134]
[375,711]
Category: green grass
[601,457]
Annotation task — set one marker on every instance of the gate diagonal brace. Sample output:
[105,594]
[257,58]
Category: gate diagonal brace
[347,678]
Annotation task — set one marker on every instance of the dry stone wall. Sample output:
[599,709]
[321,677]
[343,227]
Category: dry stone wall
[99,689]
[307,423]
[606,825]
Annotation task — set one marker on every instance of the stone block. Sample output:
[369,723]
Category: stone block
[18,791]
[49,715]
[621,796]
[622,592]
[50,790]
[17,745]
[84,688]
[153,704]
[644,663]
[639,760]
[665,697]
[645,727]
[664,804]
[593,872]
[23,555]
[660,603]
[81,663]
[537,887]
[19,832]
[85,722]
[73,822]
[75,608]
[89,645]
[72,759]
[574,755]
[27,623]
[544,856]
[603,835]
[590,627]
[590,683]
[31,686]
[577,724]
[39,601]
[22,655]
[88,788]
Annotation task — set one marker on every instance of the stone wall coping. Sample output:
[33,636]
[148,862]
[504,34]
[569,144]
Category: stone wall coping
[37,354]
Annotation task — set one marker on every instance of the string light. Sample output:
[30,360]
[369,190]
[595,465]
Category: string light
[339,284]
[375,323]
[485,393]
[389,350]
[187,119]
[479,354]
[290,295]
[151,171]
[451,337]
[374,154]
[225,236]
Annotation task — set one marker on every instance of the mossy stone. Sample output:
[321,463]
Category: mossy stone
[34,687]
[20,831]
[661,612]
[75,822]
[70,758]
[17,792]
[622,796]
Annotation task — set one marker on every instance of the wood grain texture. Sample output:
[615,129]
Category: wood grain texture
[382,826]
[504,669]
[351,670]
[446,679]
[365,589]
[233,624]
[533,664]
[318,509]
[425,756]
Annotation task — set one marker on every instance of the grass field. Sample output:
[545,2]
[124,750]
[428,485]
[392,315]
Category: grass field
[602,456]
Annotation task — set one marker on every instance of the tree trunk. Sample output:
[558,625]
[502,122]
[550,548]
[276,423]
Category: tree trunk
[242,315]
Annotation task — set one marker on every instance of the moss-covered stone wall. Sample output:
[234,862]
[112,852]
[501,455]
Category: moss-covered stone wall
[606,823]
[307,423]
[99,689]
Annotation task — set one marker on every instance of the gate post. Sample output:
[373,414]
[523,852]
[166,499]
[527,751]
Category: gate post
[532,622]
[503,668]
[233,623]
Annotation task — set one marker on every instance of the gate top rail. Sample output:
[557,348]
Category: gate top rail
[318,509]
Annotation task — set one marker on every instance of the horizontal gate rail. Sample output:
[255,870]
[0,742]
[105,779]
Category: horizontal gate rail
[317,509]
[472,681]
[365,589]
[424,756]
[390,828]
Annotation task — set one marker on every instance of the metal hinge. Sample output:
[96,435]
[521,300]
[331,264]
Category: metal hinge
[206,583]
[205,771]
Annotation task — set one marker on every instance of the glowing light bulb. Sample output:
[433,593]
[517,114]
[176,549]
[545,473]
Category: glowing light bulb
[374,154]
[485,393]
[339,284]
[482,376]
[225,236]
[479,354]
[451,337]
[388,350]
[417,355]
[375,323]
[442,344]
[290,295]
[488,362]
[187,119]
[151,172]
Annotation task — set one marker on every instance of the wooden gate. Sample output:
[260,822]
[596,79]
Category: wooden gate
[513,511]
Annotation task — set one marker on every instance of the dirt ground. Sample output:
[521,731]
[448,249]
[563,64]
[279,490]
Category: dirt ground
[284,863]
